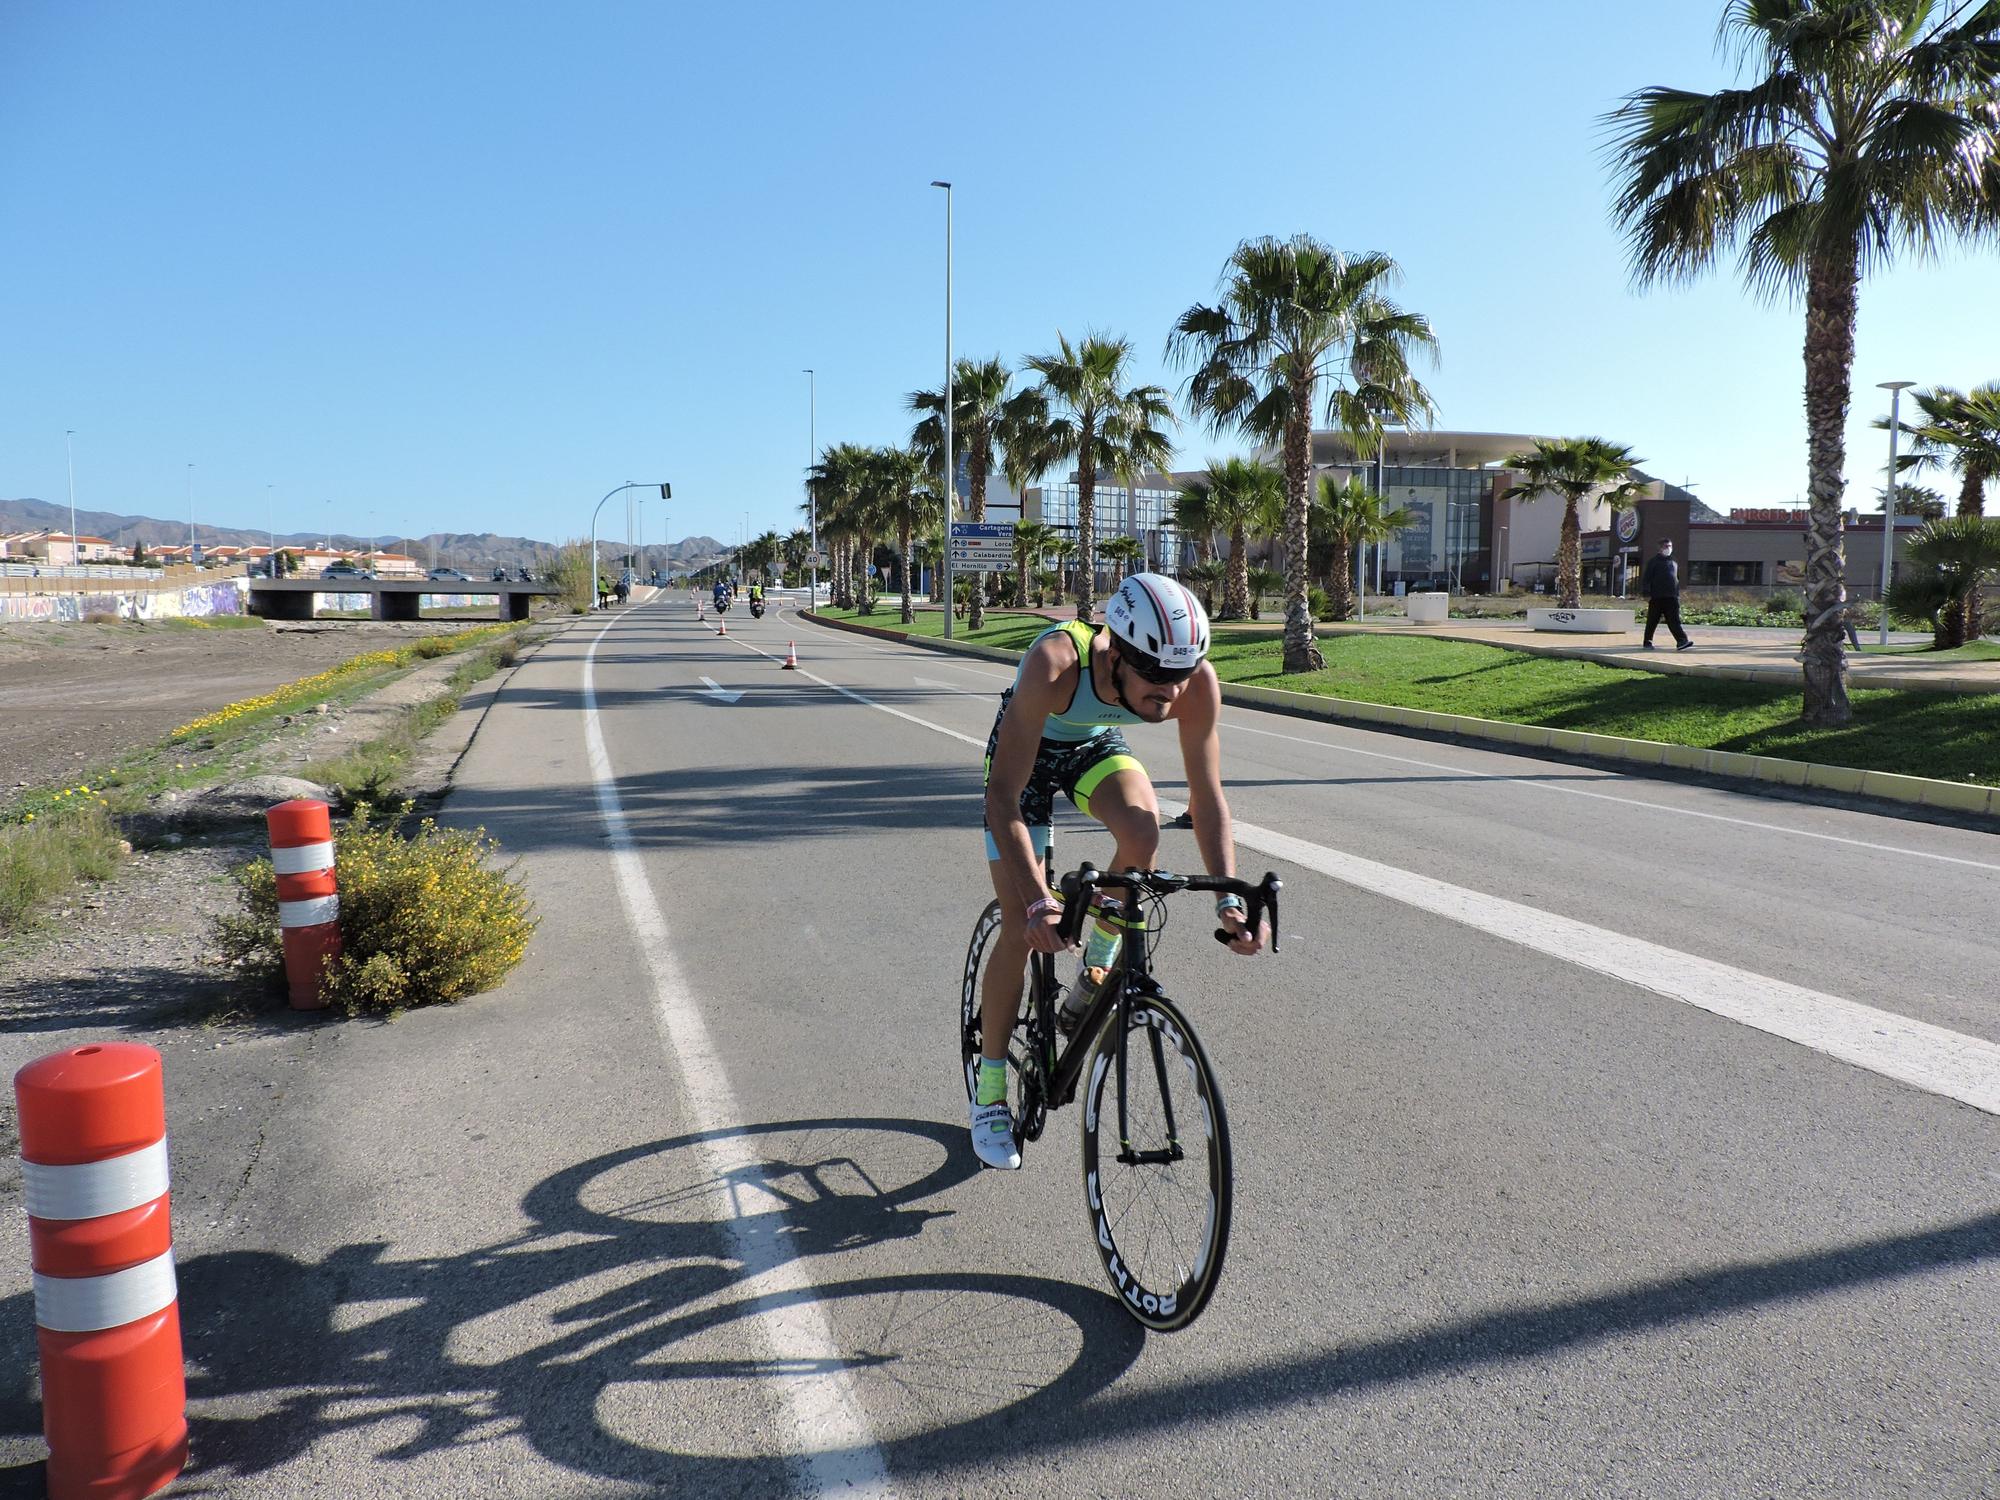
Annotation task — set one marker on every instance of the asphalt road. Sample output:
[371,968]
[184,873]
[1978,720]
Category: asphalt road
[1565,1164]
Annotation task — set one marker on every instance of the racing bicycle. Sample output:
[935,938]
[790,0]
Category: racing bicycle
[1156,1163]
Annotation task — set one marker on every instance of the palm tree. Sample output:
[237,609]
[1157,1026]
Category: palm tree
[1263,581]
[901,494]
[1294,313]
[1949,560]
[836,483]
[1032,541]
[986,420]
[1203,577]
[1088,413]
[1194,520]
[1347,516]
[1868,129]
[1239,496]
[798,548]
[1125,554]
[1575,468]
[1960,430]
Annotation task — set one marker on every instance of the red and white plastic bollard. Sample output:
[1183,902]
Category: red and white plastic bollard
[94,1160]
[721,626]
[791,656]
[308,898]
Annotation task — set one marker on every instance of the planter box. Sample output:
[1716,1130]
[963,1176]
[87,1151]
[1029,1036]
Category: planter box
[1427,609]
[1588,621]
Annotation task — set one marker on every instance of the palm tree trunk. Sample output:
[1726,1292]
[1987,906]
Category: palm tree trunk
[1569,558]
[1236,599]
[1972,502]
[1340,580]
[903,558]
[1301,654]
[1829,353]
[1086,504]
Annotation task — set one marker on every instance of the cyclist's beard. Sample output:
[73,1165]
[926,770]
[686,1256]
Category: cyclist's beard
[1118,692]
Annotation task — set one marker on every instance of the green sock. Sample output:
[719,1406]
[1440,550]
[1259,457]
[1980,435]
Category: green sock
[992,1081]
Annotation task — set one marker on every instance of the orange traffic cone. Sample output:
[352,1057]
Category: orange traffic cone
[721,626]
[791,657]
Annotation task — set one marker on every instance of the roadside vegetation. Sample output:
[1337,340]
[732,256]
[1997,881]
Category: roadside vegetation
[53,837]
[425,919]
[1950,736]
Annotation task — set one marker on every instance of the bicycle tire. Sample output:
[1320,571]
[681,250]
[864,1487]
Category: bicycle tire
[1024,1081]
[1164,1286]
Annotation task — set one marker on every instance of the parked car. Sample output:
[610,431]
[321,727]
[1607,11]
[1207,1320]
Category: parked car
[342,568]
[447,575]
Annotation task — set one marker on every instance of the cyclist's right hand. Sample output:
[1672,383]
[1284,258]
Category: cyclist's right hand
[1043,924]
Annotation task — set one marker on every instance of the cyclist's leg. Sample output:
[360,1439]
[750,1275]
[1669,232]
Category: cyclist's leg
[1000,1003]
[1119,794]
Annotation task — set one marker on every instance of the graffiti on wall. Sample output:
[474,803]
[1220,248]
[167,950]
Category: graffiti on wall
[199,602]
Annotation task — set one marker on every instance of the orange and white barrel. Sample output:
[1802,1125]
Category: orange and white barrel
[308,898]
[94,1163]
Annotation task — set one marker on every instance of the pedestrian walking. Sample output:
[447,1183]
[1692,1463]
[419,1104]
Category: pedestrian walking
[1661,584]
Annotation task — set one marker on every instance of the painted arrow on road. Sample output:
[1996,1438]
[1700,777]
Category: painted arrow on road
[717,690]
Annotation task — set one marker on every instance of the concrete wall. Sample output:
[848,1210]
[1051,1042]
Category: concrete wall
[224,597]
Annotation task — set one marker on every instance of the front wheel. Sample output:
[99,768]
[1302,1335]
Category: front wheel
[1157,1174]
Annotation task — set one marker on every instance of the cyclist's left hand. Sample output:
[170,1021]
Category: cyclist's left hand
[1242,940]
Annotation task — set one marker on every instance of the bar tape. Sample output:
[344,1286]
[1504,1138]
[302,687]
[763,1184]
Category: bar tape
[302,859]
[84,1304]
[92,1189]
[315,912]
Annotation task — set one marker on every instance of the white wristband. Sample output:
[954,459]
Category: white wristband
[1232,902]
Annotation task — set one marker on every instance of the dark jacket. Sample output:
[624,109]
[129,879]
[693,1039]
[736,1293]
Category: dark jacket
[1661,580]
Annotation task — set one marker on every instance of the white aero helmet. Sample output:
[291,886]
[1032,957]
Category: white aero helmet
[1159,619]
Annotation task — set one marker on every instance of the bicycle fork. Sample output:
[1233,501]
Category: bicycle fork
[1172,1151]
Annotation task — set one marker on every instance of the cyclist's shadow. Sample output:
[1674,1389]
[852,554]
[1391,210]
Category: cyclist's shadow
[628,1286]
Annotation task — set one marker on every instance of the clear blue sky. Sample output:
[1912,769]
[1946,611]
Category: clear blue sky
[457,266]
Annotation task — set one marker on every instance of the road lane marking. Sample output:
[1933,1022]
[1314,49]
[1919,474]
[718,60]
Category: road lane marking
[1573,791]
[1927,1057]
[1569,791]
[832,1444]
[949,687]
[717,690]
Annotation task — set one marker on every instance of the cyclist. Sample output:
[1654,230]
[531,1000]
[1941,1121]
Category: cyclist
[1058,730]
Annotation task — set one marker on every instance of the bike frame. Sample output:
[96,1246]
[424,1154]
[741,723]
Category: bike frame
[1131,977]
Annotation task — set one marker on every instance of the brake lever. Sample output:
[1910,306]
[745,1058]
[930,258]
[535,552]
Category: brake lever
[1264,900]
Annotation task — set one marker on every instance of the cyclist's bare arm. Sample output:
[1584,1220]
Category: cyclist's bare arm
[1199,716]
[1046,683]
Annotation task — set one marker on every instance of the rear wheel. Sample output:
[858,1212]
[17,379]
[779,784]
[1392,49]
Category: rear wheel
[1159,1197]
[1025,1092]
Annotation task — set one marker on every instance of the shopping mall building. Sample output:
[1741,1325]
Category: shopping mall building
[1466,536]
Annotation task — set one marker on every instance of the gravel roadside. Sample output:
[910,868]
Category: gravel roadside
[134,959]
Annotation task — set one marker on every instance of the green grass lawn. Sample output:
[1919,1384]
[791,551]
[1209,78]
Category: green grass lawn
[1948,735]
[1970,651]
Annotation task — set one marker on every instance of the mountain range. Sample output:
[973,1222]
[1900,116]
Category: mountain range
[467,550]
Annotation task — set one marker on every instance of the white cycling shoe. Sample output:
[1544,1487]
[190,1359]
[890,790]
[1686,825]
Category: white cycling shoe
[993,1136]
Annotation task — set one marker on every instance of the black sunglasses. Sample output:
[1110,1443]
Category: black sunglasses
[1150,669]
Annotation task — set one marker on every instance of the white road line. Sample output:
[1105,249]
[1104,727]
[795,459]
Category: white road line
[1924,1056]
[1572,791]
[831,1442]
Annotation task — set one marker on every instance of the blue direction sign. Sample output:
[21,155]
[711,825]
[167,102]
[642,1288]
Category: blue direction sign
[982,545]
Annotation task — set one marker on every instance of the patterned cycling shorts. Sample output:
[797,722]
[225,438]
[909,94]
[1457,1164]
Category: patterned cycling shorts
[1073,767]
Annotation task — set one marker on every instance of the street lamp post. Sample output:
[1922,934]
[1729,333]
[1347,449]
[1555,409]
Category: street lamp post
[950,457]
[666,493]
[1895,388]
[812,457]
[190,476]
[69,451]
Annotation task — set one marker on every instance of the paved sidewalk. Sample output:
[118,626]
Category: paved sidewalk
[1746,653]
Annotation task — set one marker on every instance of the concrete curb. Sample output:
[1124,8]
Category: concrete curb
[1919,791]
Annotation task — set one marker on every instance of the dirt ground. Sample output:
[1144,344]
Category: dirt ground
[73,697]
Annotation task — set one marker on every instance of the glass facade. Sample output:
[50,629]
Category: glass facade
[1445,545]
[1117,510]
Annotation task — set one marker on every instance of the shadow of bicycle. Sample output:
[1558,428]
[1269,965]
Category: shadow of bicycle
[623,1332]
